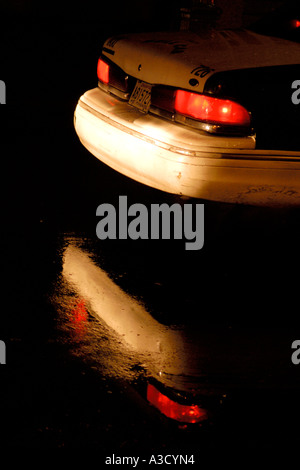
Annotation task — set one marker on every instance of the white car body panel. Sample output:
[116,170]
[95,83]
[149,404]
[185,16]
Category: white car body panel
[174,58]
[179,160]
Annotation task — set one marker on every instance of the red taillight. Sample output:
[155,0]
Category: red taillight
[103,71]
[173,410]
[295,23]
[210,109]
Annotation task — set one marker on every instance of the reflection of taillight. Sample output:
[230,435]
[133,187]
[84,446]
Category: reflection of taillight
[79,317]
[103,71]
[173,410]
[210,109]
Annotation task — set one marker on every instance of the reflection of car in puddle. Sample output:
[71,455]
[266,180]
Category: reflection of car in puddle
[169,388]
[187,371]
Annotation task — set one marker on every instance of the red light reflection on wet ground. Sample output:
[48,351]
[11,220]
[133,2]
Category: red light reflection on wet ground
[79,317]
[174,410]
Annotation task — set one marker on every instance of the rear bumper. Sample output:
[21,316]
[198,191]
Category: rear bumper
[172,158]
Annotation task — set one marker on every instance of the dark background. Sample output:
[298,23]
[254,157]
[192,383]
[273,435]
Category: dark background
[53,394]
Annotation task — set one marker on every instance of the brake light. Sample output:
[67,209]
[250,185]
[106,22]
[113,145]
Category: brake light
[210,109]
[295,23]
[173,410]
[103,71]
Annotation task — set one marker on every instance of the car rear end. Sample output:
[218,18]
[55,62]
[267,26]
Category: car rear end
[211,118]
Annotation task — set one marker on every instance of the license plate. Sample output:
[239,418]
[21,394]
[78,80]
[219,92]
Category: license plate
[141,96]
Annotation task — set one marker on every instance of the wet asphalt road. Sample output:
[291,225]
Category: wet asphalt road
[59,388]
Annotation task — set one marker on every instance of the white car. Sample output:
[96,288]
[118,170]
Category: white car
[212,115]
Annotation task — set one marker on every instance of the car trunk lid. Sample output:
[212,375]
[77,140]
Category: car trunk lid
[255,70]
[186,60]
